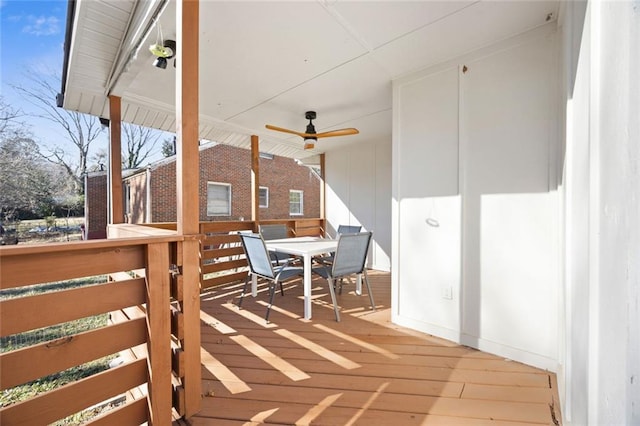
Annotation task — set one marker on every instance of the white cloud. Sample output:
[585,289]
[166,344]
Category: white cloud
[42,25]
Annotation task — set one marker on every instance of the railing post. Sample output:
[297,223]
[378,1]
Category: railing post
[159,329]
[190,307]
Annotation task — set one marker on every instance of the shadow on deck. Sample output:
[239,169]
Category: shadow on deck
[361,371]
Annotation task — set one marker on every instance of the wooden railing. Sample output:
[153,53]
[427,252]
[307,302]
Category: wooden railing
[154,315]
[222,257]
[141,268]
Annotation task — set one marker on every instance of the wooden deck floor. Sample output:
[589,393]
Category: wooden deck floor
[361,371]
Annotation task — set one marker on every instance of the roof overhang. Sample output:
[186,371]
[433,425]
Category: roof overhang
[267,62]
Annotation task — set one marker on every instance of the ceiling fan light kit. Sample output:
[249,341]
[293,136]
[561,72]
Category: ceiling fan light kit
[310,143]
[310,136]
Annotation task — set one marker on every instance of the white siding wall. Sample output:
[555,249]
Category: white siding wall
[574,352]
[429,203]
[358,192]
[476,239]
[485,251]
[601,354]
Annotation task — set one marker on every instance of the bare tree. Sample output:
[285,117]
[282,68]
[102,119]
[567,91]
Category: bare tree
[140,142]
[99,160]
[9,119]
[25,183]
[169,147]
[81,129]
[29,183]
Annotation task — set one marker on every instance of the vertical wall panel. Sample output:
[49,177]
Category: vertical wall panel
[358,193]
[381,249]
[429,213]
[476,243]
[510,221]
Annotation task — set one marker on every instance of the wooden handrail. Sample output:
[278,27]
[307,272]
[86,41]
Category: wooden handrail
[142,278]
[146,263]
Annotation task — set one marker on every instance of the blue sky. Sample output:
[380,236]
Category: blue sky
[32,32]
[31,37]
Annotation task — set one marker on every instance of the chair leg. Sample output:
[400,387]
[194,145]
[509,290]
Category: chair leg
[359,293]
[366,281]
[272,292]
[244,290]
[333,299]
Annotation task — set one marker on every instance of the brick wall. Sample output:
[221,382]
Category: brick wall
[163,193]
[229,165]
[232,165]
[281,175]
[137,199]
[95,210]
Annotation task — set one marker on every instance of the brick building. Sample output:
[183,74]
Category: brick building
[95,205]
[287,190]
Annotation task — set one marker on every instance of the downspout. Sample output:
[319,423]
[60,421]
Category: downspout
[148,218]
[86,207]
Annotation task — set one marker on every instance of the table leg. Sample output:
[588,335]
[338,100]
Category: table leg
[254,285]
[307,286]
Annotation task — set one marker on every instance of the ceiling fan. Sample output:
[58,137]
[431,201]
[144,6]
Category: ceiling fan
[310,136]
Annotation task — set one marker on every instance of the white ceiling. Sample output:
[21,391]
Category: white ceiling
[269,62]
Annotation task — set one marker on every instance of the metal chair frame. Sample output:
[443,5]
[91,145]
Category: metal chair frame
[275,232]
[349,259]
[261,265]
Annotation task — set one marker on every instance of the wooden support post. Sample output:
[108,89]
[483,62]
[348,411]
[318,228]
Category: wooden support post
[116,211]
[255,180]
[187,111]
[187,188]
[159,330]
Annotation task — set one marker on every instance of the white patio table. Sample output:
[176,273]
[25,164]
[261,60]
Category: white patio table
[306,247]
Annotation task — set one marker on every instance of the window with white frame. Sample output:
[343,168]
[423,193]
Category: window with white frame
[295,202]
[218,199]
[264,197]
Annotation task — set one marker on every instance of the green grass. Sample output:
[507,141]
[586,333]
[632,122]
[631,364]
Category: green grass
[69,230]
[44,384]
[33,337]
[33,290]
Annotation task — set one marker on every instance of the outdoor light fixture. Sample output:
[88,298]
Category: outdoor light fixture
[160,62]
[163,52]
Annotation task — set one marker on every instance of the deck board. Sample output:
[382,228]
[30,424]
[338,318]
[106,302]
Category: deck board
[364,370]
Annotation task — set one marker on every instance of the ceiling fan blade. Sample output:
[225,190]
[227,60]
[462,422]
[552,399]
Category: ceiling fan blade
[310,136]
[339,132]
[282,129]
